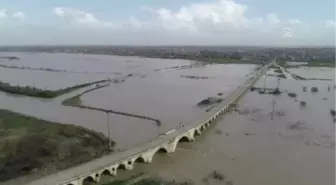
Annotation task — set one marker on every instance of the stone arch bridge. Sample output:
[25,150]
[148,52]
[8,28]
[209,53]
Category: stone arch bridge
[93,170]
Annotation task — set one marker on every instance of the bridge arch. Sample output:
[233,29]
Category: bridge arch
[161,150]
[122,166]
[106,172]
[88,179]
[140,159]
[183,139]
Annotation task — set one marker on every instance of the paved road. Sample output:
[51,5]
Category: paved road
[114,158]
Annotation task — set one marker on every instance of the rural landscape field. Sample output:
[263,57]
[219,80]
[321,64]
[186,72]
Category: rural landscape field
[178,92]
[126,101]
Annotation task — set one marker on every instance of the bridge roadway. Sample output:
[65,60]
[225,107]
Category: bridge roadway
[111,163]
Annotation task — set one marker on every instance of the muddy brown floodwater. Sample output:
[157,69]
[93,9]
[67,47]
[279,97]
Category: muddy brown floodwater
[167,96]
[248,147]
[149,87]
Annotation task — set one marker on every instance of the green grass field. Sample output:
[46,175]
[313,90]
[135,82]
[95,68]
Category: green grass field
[30,145]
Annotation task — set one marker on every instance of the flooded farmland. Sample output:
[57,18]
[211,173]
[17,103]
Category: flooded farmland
[250,146]
[169,97]
[159,88]
[271,140]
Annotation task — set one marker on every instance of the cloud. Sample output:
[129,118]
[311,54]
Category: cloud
[19,15]
[79,17]
[199,16]
[3,13]
[273,18]
[219,21]
[295,21]
[218,17]
[222,22]
[330,24]
[221,17]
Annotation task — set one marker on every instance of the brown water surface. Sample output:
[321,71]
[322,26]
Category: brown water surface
[248,146]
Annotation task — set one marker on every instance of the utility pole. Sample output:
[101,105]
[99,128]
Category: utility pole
[265,82]
[272,115]
[108,131]
[278,84]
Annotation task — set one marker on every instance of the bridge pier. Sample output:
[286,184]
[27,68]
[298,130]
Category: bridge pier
[197,131]
[94,177]
[146,157]
[128,165]
[111,170]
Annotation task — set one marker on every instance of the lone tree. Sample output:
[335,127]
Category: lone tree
[304,88]
[314,89]
[303,103]
[292,94]
[333,112]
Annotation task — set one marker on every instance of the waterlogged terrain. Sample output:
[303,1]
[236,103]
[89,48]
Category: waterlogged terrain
[163,89]
[169,95]
[47,80]
[272,140]
[267,140]
[314,72]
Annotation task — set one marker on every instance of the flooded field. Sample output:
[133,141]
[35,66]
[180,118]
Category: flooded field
[47,80]
[169,97]
[250,146]
[314,72]
[86,63]
[163,89]
[271,140]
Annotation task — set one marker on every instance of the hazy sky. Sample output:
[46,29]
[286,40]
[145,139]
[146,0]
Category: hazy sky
[167,22]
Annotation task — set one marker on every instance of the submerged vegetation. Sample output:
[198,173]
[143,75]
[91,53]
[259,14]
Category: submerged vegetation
[333,112]
[320,63]
[195,77]
[304,88]
[278,70]
[10,58]
[40,93]
[314,89]
[209,101]
[29,145]
[310,63]
[303,103]
[292,94]
[223,60]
